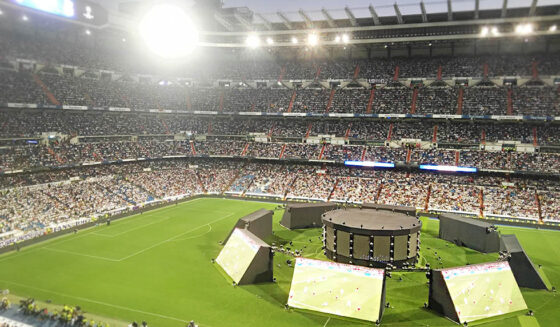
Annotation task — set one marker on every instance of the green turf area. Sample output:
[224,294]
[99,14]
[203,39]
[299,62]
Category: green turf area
[156,267]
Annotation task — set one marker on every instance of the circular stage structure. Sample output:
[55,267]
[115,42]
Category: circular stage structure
[371,237]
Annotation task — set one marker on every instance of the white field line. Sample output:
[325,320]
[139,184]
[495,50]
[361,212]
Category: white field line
[172,238]
[80,254]
[326,322]
[83,299]
[197,236]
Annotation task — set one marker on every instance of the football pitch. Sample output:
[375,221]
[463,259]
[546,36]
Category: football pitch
[157,267]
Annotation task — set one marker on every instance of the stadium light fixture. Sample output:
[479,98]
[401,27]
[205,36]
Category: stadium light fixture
[269,41]
[1,12]
[168,31]
[312,39]
[345,38]
[24,18]
[552,28]
[495,31]
[88,32]
[484,31]
[294,40]
[337,39]
[124,39]
[524,29]
[253,41]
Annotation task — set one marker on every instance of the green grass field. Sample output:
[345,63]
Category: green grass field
[157,267]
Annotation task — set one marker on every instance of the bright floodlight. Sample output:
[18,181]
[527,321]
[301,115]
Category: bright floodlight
[524,29]
[552,28]
[495,31]
[24,18]
[253,41]
[168,31]
[337,39]
[345,38]
[88,32]
[269,41]
[312,39]
[294,40]
[484,31]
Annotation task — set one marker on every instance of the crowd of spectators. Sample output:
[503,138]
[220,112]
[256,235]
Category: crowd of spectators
[48,201]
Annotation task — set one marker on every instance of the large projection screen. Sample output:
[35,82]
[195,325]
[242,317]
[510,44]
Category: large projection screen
[339,289]
[483,291]
[237,255]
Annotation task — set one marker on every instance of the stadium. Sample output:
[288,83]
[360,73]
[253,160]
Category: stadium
[279,163]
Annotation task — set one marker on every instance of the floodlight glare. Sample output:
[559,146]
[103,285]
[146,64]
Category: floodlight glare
[294,40]
[269,41]
[168,31]
[345,38]
[312,39]
[552,28]
[253,41]
[24,18]
[524,29]
[337,39]
[88,32]
[484,31]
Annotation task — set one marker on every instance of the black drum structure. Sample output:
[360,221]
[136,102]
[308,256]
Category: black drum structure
[371,237]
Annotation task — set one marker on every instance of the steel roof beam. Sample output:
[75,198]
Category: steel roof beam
[476,8]
[533,8]
[424,14]
[306,18]
[374,15]
[228,26]
[351,16]
[398,13]
[504,9]
[329,18]
[449,11]
[285,20]
[266,23]
[243,21]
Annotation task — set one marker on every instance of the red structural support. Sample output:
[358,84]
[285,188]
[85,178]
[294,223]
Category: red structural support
[483,137]
[189,104]
[318,72]
[282,152]
[291,105]
[333,189]
[200,182]
[439,73]
[427,203]
[538,201]
[396,75]
[535,142]
[167,131]
[485,70]
[370,101]
[364,153]
[390,134]
[252,107]
[414,98]
[329,103]
[460,101]
[457,158]
[46,90]
[408,155]
[534,70]
[209,132]
[347,134]
[434,136]
[509,102]
[378,195]
[221,107]
[282,73]
[356,71]
[322,151]
[193,150]
[245,149]
[481,203]
[308,130]
[271,131]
